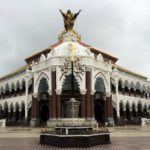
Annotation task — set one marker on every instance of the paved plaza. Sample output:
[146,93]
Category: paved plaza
[122,138]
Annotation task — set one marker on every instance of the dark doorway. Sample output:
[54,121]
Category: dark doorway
[99,113]
[99,101]
[44,113]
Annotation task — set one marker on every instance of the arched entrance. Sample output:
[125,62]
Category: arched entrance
[99,100]
[43,101]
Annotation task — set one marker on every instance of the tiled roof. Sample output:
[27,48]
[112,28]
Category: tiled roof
[123,69]
[18,71]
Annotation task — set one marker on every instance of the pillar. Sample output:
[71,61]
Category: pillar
[88,94]
[83,110]
[117,100]
[92,104]
[26,101]
[50,104]
[35,121]
[58,103]
[53,81]
[109,109]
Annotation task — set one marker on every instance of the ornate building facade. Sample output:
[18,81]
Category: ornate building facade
[37,93]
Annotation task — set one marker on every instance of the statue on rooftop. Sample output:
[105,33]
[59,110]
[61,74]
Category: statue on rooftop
[69,19]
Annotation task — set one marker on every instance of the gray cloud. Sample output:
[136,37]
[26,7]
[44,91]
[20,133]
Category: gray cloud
[121,28]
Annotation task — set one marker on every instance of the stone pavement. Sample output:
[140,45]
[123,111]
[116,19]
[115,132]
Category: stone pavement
[122,138]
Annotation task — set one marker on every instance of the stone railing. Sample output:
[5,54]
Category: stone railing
[129,98]
[3,123]
[18,99]
[145,121]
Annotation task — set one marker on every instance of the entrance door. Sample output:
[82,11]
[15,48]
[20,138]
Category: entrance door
[44,114]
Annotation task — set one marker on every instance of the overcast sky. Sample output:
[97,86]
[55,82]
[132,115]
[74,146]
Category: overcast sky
[121,28]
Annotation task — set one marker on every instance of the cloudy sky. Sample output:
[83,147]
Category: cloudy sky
[121,28]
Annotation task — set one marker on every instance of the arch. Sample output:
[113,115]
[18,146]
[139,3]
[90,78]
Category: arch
[17,108]
[6,110]
[12,87]
[126,83]
[99,85]
[1,89]
[18,85]
[40,77]
[139,108]
[7,87]
[145,107]
[22,107]
[128,108]
[138,86]
[23,83]
[102,76]
[11,106]
[5,105]
[120,83]
[43,86]
[132,85]
[134,109]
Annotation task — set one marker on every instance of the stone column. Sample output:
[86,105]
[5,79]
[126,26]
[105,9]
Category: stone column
[53,77]
[88,95]
[92,104]
[83,110]
[117,101]
[58,103]
[26,101]
[35,121]
[109,109]
[50,104]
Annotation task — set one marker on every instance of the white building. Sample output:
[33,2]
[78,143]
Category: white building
[38,91]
